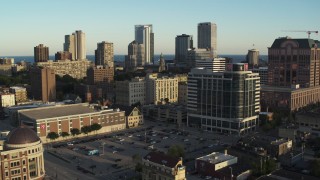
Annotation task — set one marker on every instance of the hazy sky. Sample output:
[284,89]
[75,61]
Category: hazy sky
[241,23]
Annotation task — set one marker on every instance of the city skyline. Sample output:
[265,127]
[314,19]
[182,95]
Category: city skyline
[240,24]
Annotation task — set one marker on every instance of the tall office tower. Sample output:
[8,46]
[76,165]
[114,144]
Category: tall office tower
[197,54]
[135,57]
[253,58]
[207,37]
[63,55]
[294,61]
[76,45]
[41,53]
[43,84]
[224,101]
[215,65]
[183,44]
[144,35]
[104,54]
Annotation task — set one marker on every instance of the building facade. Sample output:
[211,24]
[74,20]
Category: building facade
[104,54]
[135,57]
[102,77]
[263,74]
[224,101]
[66,117]
[157,165]
[183,93]
[184,42]
[253,58]
[7,99]
[161,88]
[207,37]
[215,65]
[19,92]
[162,64]
[63,55]
[195,55]
[76,69]
[76,45]
[131,92]
[41,53]
[22,156]
[43,84]
[144,35]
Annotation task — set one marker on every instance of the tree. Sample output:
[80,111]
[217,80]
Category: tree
[136,158]
[53,135]
[315,168]
[95,127]
[75,131]
[176,151]
[86,129]
[65,134]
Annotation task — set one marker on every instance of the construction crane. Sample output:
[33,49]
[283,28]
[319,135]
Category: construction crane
[308,32]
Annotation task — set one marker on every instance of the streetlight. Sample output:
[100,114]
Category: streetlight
[231,172]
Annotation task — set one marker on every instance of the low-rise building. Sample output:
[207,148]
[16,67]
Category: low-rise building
[157,165]
[6,69]
[63,118]
[134,116]
[131,92]
[309,122]
[21,156]
[20,93]
[166,113]
[7,100]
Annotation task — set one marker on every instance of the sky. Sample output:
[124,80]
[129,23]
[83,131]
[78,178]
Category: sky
[240,24]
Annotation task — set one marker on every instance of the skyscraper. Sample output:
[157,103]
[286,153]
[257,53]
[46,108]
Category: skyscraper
[144,35]
[41,53]
[76,45]
[253,58]
[184,42]
[43,84]
[104,54]
[224,101]
[207,37]
[135,57]
[162,64]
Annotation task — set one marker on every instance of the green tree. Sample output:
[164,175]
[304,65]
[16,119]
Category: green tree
[176,151]
[64,134]
[75,131]
[86,129]
[53,135]
[136,158]
[95,127]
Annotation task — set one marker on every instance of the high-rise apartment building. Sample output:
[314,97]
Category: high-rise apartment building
[226,101]
[135,57]
[131,92]
[216,64]
[207,37]
[104,55]
[144,35]
[43,84]
[41,53]
[76,45]
[63,55]
[253,58]
[184,43]
[161,89]
[162,64]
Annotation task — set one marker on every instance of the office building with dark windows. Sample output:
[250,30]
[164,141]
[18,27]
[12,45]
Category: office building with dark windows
[226,101]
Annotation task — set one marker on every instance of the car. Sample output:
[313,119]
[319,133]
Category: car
[186,140]
[130,135]
[117,160]
[113,152]
[208,177]
[69,143]
[153,142]
[210,146]
[165,137]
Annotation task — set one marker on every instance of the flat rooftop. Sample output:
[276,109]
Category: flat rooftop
[57,111]
[216,157]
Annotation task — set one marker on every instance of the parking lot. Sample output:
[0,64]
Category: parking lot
[119,150]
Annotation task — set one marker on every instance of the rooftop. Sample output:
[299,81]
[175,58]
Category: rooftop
[216,157]
[57,111]
[302,43]
[163,159]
